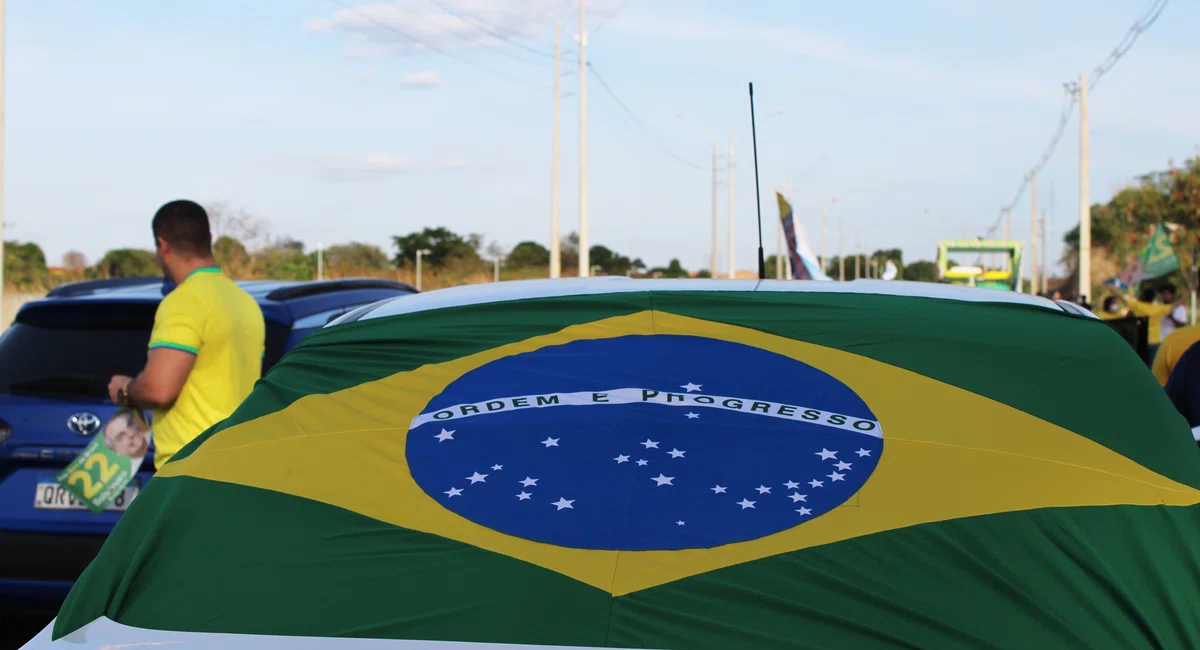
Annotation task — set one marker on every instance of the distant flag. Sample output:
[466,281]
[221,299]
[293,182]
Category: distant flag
[1157,259]
[804,266]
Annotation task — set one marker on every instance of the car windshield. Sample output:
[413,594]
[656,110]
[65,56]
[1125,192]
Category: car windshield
[73,351]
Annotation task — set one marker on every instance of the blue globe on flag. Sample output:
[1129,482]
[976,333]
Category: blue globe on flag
[652,442]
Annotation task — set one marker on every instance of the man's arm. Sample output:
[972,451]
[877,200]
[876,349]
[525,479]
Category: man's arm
[159,383]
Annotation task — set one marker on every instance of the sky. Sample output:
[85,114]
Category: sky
[344,120]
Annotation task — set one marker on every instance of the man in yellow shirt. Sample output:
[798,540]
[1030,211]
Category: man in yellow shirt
[1145,307]
[207,344]
[1172,349]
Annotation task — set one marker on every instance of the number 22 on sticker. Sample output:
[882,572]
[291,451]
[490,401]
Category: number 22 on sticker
[84,478]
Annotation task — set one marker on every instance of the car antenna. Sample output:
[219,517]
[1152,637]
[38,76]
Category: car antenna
[762,265]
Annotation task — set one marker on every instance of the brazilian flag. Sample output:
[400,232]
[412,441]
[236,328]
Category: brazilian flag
[630,464]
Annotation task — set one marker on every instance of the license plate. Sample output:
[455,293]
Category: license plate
[52,496]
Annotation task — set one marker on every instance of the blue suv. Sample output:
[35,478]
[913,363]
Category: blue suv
[55,364]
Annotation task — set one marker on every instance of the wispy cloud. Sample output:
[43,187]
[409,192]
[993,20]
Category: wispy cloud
[427,79]
[381,166]
[413,26]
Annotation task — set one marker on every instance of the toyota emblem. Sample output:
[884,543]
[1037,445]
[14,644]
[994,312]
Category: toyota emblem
[84,423]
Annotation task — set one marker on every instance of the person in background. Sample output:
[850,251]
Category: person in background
[1183,387]
[1113,309]
[1174,345]
[1178,316]
[207,343]
[1145,307]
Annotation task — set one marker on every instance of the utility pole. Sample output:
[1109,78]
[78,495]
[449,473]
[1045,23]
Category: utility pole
[555,250]
[585,262]
[713,261]
[729,169]
[320,261]
[1045,273]
[1033,233]
[496,274]
[1085,192]
[420,253]
[857,255]
[1007,233]
[841,251]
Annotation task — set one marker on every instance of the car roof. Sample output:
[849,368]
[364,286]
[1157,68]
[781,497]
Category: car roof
[531,289]
[149,289]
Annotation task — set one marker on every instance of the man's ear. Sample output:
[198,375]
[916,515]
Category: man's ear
[163,246]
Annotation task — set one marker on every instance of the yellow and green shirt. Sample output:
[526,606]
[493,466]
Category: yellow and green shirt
[211,317]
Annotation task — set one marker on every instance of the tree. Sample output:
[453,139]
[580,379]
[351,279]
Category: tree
[921,271]
[230,253]
[74,260]
[227,221]
[356,255]
[673,270]
[526,255]
[128,263]
[610,263]
[443,245]
[24,264]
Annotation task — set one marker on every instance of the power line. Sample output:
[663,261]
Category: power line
[662,145]
[435,48]
[1152,13]
[1071,89]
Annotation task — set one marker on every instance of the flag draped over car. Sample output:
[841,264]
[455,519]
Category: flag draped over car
[681,469]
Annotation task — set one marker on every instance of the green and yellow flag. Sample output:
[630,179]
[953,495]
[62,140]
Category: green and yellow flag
[686,470]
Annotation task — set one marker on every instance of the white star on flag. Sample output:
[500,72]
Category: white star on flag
[835,476]
[477,478]
[692,416]
[863,452]
[816,483]
[675,453]
[680,523]
[762,489]
[843,465]
[524,496]
[642,463]
[444,436]
[563,503]
[746,503]
[497,468]
[528,482]
[453,492]
[804,511]
[718,490]
[690,387]
[622,458]
[663,480]
[650,444]
[791,485]
[551,442]
[796,496]
[825,454]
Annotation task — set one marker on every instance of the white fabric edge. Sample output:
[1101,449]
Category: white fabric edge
[476,294]
[105,634]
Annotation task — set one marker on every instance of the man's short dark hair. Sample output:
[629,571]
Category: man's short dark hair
[1168,288]
[1147,295]
[184,225]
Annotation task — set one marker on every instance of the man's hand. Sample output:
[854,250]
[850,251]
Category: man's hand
[114,386]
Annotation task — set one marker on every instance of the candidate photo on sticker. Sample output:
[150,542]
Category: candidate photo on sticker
[125,435]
